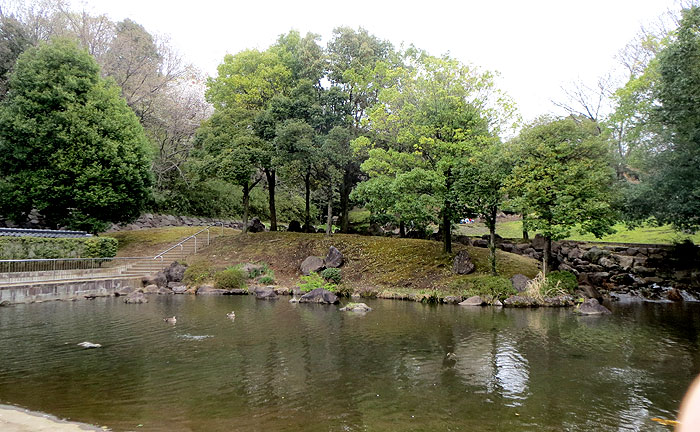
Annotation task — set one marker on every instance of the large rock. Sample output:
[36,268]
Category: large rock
[151,289]
[356,307]
[592,307]
[675,295]
[473,301]
[462,263]
[312,264]
[159,279]
[520,301]
[319,295]
[558,301]
[334,259]
[591,292]
[210,290]
[520,282]
[253,269]
[538,242]
[177,287]
[265,293]
[255,226]
[452,299]
[124,291]
[136,297]
[294,226]
[175,272]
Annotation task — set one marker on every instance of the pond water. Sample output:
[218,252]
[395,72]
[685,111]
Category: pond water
[290,367]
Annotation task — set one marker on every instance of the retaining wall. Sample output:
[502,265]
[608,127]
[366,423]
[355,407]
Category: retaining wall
[72,290]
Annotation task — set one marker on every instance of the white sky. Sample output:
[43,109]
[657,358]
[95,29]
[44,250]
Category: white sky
[537,46]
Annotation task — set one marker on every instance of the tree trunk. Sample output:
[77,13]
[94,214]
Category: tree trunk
[546,255]
[307,209]
[446,212]
[446,231]
[491,221]
[402,229]
[526,237]
[345,189]
[329,214]
[246,206]
[270,175]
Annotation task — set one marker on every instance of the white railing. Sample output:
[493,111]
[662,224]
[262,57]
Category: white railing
[45,270]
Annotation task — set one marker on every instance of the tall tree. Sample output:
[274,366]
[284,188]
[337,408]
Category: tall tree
[563,180]
[432,117]
[358,64]
[70,147]
[481,179]
[674,171]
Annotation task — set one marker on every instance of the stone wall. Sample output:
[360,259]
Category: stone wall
[635,268]
[149,220]
[71,290]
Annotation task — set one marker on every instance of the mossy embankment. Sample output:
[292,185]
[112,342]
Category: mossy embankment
[372,264]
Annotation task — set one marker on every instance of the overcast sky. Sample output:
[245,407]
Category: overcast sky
[537,46]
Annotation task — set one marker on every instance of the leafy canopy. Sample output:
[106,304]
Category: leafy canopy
[70,147]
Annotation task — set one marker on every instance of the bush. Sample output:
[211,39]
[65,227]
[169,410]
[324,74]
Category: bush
[231,278]
[332,274]
[267,279]
[42,247]
[198,271]
[313,281]
[489,288]
[558,281]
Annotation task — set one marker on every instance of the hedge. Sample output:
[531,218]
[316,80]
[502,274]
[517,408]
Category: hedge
[42,247]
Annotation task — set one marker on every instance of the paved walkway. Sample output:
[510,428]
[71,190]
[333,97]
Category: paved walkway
[13,419]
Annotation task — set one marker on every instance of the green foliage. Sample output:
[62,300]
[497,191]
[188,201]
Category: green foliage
[560,281]
[198,272]
[332,275]
[314,281]
[231,278]
[268,279]
[489,288]
[670,191]
[438,112]
[40,247]
[563,179]
[70,147]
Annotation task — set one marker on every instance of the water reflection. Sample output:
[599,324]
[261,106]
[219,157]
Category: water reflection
[404,366]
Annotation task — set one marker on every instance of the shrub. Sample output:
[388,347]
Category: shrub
[491,288]
[43,247]
[268,279]
[198,271]
[557,281]
[313,281]
[332,274]
[231,278]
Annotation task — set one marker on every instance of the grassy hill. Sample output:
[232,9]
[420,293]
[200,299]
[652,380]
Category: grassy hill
[372,263]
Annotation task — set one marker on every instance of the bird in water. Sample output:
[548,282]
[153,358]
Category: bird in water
[170,320]
[231,315]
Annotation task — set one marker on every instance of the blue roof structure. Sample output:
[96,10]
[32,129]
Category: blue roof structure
[26,232]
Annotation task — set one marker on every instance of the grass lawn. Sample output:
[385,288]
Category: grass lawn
[149,242]
[644,234]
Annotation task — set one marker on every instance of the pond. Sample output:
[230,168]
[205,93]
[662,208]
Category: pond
[289,367]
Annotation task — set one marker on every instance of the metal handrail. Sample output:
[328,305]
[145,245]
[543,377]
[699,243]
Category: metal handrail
[195,239]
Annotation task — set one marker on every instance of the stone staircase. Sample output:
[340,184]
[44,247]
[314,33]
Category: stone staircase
[110,268]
